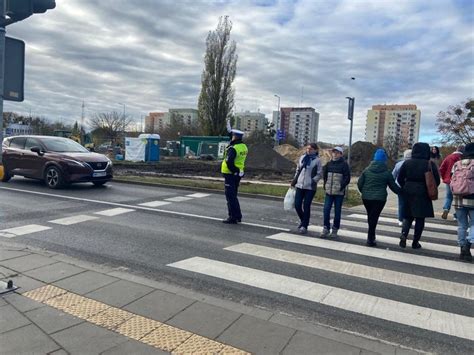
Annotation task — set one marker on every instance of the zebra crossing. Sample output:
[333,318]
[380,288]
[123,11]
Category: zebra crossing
[448,277]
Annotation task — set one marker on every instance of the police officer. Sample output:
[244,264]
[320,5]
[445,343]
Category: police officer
[232,169]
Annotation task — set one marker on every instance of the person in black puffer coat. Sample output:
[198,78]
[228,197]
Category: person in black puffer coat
[417,204]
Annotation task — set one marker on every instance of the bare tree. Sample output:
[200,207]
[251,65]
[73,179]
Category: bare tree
[112,124]
[217,95]
[394,146]
[456,124]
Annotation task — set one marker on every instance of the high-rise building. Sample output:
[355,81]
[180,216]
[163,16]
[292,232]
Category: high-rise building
[394,125]
[250,121]
[156,122]
[302,123]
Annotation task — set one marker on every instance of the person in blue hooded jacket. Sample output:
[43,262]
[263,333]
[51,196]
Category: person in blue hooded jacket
[373,186]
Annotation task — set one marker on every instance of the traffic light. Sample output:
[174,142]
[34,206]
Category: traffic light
[17,10]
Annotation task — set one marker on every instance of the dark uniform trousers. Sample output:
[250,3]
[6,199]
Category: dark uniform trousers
[231,190]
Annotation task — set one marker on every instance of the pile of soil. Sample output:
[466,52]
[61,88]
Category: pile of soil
[263,157]
[293,154]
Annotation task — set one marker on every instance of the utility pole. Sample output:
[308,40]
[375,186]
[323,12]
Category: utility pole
[278,122]
[2,74]
[350,117]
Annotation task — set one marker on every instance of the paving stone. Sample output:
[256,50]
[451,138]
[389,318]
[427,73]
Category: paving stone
[51,320]
[304,343]
[27,262]
[87,338]
[10,254]
[27,340]
[10,319]
[120,293]
[26,283]
[5,273]
[133,347]
[85,282]
[22,303]
[204,319]
[256,335]
[54,272]
[2,302]
[159,305]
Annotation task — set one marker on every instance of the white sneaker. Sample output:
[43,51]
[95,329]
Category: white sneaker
[400,223]
[303,230]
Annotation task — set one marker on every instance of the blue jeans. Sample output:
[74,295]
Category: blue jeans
[465,218]
[328,202]
[303,200]
[448,200]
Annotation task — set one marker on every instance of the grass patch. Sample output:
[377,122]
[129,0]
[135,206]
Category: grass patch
[246,187]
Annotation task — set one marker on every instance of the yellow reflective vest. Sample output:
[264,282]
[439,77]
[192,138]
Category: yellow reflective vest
[241,154]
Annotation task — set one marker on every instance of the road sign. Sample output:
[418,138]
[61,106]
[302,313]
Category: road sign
[14,69]
[281,134]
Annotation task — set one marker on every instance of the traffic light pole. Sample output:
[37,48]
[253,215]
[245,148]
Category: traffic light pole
[2,74]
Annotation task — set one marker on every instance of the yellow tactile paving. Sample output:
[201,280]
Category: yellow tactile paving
[44,293]
[166,338]
[198,345]
[145,330]
[65,301]
[87,309]
[137,327]
[111,317]
[230,350]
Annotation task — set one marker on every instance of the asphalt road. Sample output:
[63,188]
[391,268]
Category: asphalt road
[183,243]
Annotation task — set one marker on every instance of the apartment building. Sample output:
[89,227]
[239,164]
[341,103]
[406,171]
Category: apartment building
[158,121]
[399,124]
[250,121]
[300,122]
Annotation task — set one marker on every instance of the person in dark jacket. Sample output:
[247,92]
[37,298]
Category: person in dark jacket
[417,204]
[336,175]
[464,206]
[308,173]
[373,186]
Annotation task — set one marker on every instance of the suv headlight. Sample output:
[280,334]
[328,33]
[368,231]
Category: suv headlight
[74,162]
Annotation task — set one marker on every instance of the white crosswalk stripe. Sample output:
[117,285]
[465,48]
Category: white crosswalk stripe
[389,240]
[396,229]
[394,220]
[402,313]
[367,272]
[178,199]
[370,266]
[23,230]
[114,211]
[376,253]
[154,203]
[198,195]
[67,221]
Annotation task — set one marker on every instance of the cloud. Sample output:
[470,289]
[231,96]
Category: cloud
[149,55]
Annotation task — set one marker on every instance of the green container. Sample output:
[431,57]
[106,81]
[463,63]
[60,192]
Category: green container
[197,145]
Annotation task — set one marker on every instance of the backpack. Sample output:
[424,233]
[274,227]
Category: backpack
[462,181]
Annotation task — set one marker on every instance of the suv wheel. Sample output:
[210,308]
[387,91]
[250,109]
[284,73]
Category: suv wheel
[6,175]
[53,178]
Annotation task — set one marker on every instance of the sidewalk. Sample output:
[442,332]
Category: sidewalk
[65,306]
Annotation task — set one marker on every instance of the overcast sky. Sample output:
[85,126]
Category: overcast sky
[148,56]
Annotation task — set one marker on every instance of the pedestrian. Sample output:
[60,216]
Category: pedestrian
[417,204]
[336,175]
[445,171]
[435,155]
[464,205]
[373,186]
[308,173]
[232,168]
[395,173]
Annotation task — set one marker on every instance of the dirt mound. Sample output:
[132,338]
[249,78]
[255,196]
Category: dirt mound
[262,156]
[293,154]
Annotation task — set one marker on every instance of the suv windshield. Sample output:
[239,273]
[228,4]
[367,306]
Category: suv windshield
[63,145]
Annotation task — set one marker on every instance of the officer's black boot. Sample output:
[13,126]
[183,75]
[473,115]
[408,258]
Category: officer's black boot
[416,244]
[466,252]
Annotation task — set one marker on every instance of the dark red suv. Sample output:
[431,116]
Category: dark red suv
[58,161]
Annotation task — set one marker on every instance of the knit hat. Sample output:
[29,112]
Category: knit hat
[380,155]
[468,151]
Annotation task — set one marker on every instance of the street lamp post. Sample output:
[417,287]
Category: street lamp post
[350,117]
[278,121]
